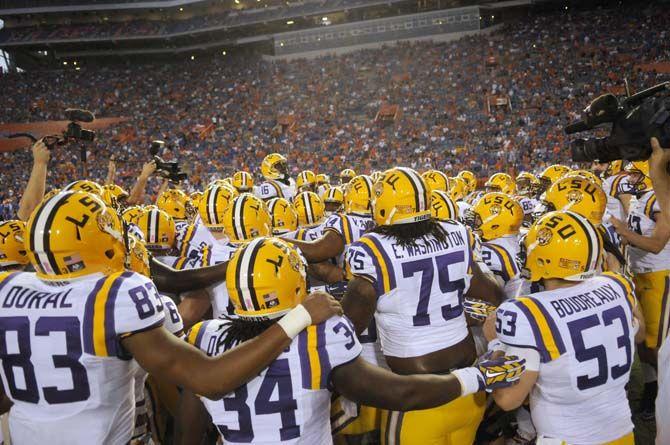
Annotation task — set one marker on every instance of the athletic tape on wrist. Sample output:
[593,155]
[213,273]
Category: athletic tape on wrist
[295,321]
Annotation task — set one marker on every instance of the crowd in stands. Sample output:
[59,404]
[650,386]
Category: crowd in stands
[221,114]
[227,19]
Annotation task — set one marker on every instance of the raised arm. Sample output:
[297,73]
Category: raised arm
[330,245]
[137,193]
[34,192]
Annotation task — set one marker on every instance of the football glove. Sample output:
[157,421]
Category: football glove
[478,309]
[490,373]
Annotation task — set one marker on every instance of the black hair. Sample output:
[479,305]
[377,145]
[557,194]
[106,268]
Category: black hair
[407,234]
[239,330]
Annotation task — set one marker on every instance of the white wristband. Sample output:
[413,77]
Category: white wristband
[496,345]
[469,379]
[295,321]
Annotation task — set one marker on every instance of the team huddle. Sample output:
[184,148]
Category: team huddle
[396,308]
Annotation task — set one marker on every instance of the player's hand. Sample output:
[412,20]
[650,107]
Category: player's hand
[478,309]
[321,306]
[499,371]
[148,169]
[41,153]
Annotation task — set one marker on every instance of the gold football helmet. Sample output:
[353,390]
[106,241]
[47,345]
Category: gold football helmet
[246,218]
[195,198]
[401,196]
[306,181]
[527,184]
[442,208]
[470,180]
[243,181]
[74,234]
[84,185]
[562,245]
[458,189]
[175,203]
[158,229]
[284,217]
[552,174]
[436,180]
[274,166]
[577,194]
[613,168]
[130,214]
[266,278]
[333,200]
[12,243]
[347,175]
[585,174]
[501,182]
[137,256]
[113,195]
[495,215]
[638,176]
[310,209]
[213,205]
[358,196]
[322,179]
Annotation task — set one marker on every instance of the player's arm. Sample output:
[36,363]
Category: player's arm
[484,287]
[170,280]
[359,303]
[192,420]
[659,172]
[328,246]
[137,192]
[5,402]
[194,307]
[654,243]
[168,358]
[34,192]
[326,272]
[361,382]
[111,171]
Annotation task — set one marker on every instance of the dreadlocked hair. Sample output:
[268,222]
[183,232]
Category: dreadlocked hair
[406,235]
[239,330]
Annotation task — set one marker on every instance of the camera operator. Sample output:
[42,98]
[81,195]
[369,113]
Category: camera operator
[34,192]
[658,171]
[137,193]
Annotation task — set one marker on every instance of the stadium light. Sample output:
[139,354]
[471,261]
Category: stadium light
[223,52]
[290,22]
[78,68]
[65,62]
[324,19]
[74,63]
[192,57]
[281,43]
[181,9]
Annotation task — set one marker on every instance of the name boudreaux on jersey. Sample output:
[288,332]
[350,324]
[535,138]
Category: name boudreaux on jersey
[587,300]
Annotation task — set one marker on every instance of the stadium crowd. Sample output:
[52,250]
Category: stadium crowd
[441,90]
[335,278]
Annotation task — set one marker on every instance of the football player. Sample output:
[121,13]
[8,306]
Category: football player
[306,181]
[178,205]
[612,178]
[496,218]
[311,216]
[346,175]
[501,182]
[458,190]
[322,183]
[436,180]
[549,175]
[648,255]
[74,332]
[410,273]
[577,336]
[289,401]
[284,216]
[527,185]
[243,182]
[333,200]
[278,184]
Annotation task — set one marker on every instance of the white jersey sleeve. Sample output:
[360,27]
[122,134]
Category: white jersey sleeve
[137,305]
[173,321]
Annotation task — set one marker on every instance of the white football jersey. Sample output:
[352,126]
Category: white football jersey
[527,204]
[462,208]
[276,189]
[191,240]
[500,257]
[419,288]
[209,254]
[611,186]
[585,337]
[351,228]
[64,367]
[641,214]
[175,325]
[289,402]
